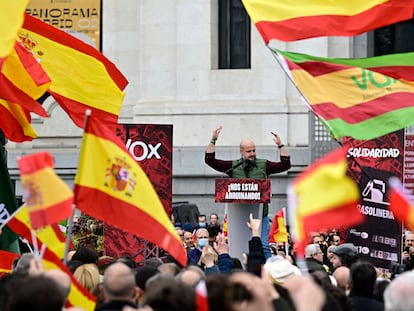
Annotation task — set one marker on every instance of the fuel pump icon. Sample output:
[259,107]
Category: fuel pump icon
[374,191]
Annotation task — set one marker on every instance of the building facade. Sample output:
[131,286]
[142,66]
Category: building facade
[175,54]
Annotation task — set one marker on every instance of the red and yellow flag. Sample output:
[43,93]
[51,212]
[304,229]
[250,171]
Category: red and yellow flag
[400,203]
[323,196]
[363,98]
[51,236]
[278,230]
[291,20]
[82,77]
[15,122]
[48,197]
[11,19]
[78,295]
[6,261]
[112,187]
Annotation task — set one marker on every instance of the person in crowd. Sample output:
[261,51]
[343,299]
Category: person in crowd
[341,275]
[36,293]
[170,268]
[316,238]
[28,263]
[333,239]
[202,221]
[362,283]
[169,294]
[344,255]
[408,253]
[314,258]
[188,240]
[153,261]
[191,275]
[380,286]
[336,298]
[62,280]
[88,276]
[214,222]
[249,166]
[119,288]
[86,254]
[398,296]
[194,255]
[180,232]
[142,275]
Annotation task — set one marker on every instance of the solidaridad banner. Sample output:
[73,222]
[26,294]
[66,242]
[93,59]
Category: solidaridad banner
[371,164]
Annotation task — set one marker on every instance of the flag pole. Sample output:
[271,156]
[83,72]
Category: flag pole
[69,227]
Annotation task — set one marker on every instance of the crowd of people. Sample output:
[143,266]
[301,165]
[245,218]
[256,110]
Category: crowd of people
[329,277]
[271,276]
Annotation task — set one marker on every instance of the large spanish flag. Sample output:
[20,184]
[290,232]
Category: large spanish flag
[323,196]
[48,197]
[11,19]
[112,187]
[289,20]
[363,98]
[400,203]
[15,122]
[82,77]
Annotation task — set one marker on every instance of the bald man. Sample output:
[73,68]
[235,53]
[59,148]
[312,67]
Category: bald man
[119,288]
[248,166]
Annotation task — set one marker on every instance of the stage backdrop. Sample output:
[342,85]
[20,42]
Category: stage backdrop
[371,164]
[151,147]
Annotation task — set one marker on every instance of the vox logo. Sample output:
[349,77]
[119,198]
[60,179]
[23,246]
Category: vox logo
[141,151]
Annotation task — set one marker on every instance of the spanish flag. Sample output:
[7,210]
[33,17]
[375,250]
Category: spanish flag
[15,122]
[112,187]
[82,77]
[78,295]
[363,98]
[48,197]
[6,261]
[11,19]
[400,203]
[278,231]
[291,20]
[50,235]
[323,196]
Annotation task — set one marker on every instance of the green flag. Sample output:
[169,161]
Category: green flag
[8,240]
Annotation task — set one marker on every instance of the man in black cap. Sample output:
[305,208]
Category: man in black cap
[344,255]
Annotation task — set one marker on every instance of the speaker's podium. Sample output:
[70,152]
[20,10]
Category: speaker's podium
[242,196]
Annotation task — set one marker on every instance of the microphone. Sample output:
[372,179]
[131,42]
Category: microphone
[232,168]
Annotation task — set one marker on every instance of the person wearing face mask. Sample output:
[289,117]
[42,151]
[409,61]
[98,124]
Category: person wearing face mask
[205,255]
[194,255]
[202,221]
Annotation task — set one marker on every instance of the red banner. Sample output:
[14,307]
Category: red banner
[243,190]
[151,146]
